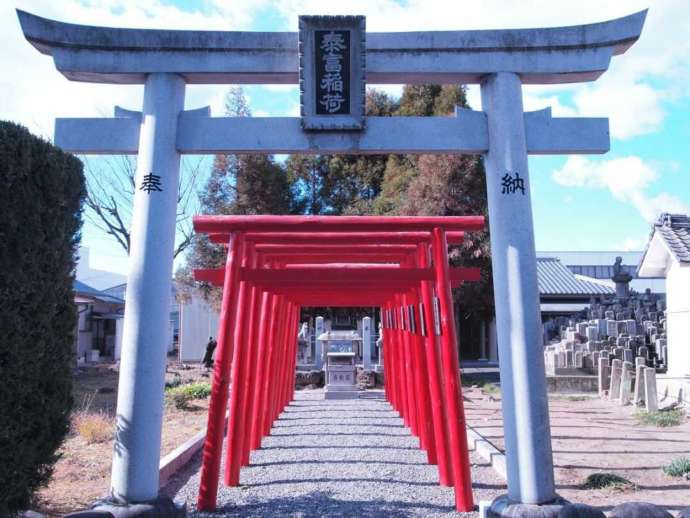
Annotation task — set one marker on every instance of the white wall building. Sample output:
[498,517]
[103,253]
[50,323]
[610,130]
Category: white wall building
[99,279]
[668,255]
[198,322]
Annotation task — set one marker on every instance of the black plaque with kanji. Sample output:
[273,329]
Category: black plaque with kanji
[332,77]
[332,72]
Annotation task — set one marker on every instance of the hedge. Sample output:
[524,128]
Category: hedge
[42,191]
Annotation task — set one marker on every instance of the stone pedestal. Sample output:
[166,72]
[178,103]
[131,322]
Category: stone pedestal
[341,376]
[622,290]
[504,507]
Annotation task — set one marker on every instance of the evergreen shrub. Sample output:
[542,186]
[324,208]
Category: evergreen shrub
[42,190]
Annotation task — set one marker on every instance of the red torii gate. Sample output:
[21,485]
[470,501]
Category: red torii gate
[276,265]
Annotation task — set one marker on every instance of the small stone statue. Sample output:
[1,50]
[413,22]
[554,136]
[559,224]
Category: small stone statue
[619,274]
[303,334]
[622,279]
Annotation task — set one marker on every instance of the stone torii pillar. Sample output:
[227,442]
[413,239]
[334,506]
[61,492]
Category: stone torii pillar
[529,463]
[147,305]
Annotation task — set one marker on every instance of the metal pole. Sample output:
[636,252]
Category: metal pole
[136,453]
[529,461]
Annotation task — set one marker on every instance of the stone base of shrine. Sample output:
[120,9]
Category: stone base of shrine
[341,393]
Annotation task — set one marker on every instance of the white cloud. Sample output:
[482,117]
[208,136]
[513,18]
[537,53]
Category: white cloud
[633,109]
[631,244]
[628,179]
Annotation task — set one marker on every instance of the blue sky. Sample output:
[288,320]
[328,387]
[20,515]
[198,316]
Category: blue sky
[580,203]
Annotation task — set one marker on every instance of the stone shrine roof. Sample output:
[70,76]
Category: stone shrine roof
[675,231]
[554,278]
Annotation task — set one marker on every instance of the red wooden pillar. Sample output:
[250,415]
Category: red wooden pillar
[389,360]
[295,344]
[237,390]
[400,363]
[426,431]
[292,328]
[280,361]
[412,399]
[286,363]
[251,335]
[259,381]
[451,375]
[410,367]
[383,353]
[265,424]
[210,465]
[432,353]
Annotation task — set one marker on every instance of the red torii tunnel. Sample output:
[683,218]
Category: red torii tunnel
[278,264]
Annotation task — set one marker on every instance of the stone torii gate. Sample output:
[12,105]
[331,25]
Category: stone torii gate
[501,61]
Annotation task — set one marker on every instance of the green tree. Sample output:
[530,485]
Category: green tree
[443,185]
[341,184]
[237,184]
[42,191]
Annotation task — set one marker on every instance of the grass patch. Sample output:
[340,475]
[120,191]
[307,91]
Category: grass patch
[607,481]
[576,398]
[679,467]
[181,395]
[175,382]
[661,419]
[93,427]
[571,397]
[489,387]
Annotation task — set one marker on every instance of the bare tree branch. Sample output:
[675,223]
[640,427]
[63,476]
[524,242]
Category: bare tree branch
[111,184]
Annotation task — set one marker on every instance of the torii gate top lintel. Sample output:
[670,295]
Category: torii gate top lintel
[563,54]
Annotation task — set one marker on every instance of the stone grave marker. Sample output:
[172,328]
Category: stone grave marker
[615,384]
[651,403]
[626,383]
[603,376]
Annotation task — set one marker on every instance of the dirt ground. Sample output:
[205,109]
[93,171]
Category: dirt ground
[82,475]
[593,436]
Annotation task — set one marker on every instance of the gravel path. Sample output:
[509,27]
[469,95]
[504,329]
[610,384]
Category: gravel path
[338,458]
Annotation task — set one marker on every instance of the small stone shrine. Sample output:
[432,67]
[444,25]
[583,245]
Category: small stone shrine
[621,339]
[340,349]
